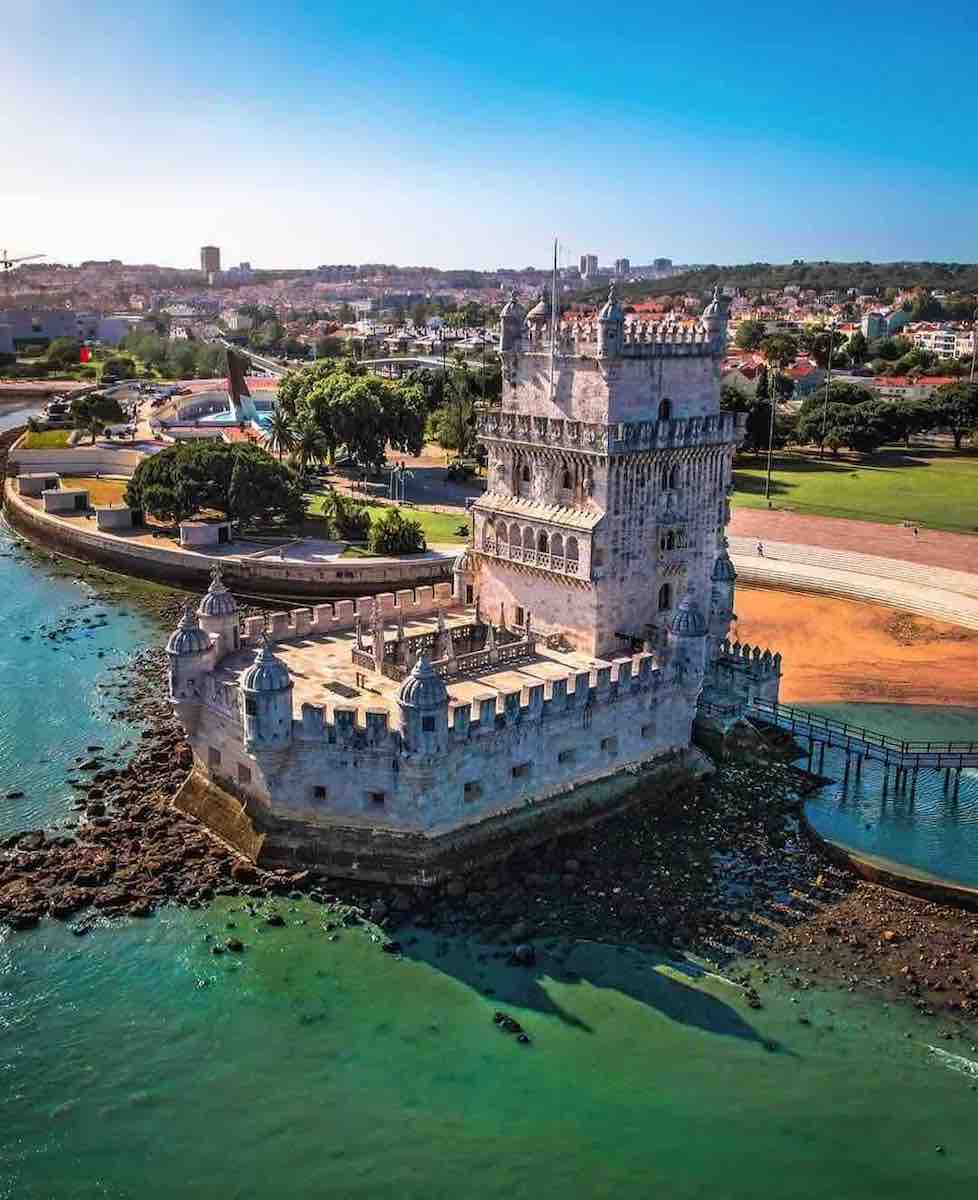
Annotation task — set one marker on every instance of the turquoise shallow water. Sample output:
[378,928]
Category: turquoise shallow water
[932,832]
[135,1064]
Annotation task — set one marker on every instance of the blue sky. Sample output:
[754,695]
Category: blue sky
[297,133]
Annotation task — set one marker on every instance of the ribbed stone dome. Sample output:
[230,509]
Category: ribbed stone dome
[541,310]
[723,569]
[715,307]
[424,687]
[688,620]
[612,310]
[217,601]
[266,673]
[188,637]
[512,307]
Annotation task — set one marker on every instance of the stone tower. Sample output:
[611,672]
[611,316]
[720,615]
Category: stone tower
[218,615]
[609,462]
[266,691]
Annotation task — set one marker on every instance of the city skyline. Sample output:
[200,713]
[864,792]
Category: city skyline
[335,136]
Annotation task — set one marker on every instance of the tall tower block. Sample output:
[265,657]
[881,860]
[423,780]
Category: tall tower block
[609,463]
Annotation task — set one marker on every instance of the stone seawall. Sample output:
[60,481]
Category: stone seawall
[413,859]
[164,564]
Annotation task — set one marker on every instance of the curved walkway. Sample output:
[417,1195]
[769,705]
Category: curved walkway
[948,595]
[932,547]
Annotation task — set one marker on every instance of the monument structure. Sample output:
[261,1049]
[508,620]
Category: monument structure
[398,736]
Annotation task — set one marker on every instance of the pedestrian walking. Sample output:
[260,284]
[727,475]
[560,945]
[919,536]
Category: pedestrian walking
[760,549]
[916,532]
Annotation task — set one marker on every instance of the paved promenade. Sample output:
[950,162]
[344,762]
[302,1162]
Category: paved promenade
[956,551]
[948,595]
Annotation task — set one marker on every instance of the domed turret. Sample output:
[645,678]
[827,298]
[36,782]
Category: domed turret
[267,673]
[267,690]
[188,638]
[539,315]
[218,614]
[723,569]
[191,655]
[511,324]
[611,326]
[688,619]
[423,704]
[715,319]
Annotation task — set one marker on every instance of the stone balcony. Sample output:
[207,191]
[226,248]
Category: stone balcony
[719,429]
[558,563]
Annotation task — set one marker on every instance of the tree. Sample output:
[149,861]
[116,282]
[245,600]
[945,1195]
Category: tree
[956,409]
[64,352]
[311,445]
[779,350]
[762,389]
[394,533]
[749,335]
[858,347]
[120,366]
[240,480]
[281,435]
[820,341]
[346,518]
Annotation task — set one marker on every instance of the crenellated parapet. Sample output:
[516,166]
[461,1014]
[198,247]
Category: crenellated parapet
[760,664]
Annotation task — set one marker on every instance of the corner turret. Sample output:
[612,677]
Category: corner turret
[611,327]
[723,579]
[687,644]
[511,325]
[218,615]
[266,689]
[423,705]
[715,321]
[191,654]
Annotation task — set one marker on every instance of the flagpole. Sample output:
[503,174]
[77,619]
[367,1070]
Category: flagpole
[553,323]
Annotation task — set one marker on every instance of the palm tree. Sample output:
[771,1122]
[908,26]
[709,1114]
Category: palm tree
[310,445]
[281,433]
[780,350]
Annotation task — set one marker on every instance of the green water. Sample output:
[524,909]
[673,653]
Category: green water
[317,1068]
[310,1067]
[933,831]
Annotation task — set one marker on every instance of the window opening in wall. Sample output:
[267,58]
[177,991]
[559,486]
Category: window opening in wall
[251,706]
[648,730]
[376,798]
[472,791]
[520,616]
[521,771]
[565,481]
[665,410]
[213,757]
[319,792]
[469,594]
[609,745]
[244,774]
[525,475]
[567,756]
[665,597]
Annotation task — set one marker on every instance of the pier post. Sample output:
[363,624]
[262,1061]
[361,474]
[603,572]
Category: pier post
[859,767]
[957,782]
[886,778]
[845,777]
[821,756]
[947,779]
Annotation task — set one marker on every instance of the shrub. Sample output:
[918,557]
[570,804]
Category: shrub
[394,533]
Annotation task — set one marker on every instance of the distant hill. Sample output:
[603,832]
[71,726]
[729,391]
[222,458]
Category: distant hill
[823,276]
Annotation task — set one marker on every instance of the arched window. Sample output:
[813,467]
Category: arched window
[542,542]
[665,410]
[674,478]
[572,549]
[566,482]
[502,537]
[528,539]
[665,597]
[670,540]
[515,537]
[665,479]
[557,546]
[488,534]
[525,475]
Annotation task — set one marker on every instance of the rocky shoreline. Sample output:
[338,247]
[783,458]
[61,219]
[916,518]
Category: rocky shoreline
[721,871]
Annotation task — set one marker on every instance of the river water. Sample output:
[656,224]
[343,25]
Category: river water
[136,1064]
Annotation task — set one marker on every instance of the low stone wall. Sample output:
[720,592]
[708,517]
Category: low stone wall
[259,576]
[85,460]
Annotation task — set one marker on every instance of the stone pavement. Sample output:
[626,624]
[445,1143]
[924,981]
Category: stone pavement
[956,551]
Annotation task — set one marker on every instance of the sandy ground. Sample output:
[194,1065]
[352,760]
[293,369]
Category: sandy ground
[843,650]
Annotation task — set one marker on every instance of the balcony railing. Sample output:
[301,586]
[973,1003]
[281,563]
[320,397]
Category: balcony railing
[535,558]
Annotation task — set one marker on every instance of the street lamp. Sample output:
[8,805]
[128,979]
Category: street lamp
[974,345]
[828,378]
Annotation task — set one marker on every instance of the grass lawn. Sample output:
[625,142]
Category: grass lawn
[100,491]
[47,439]
[936,488]
[437,526]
